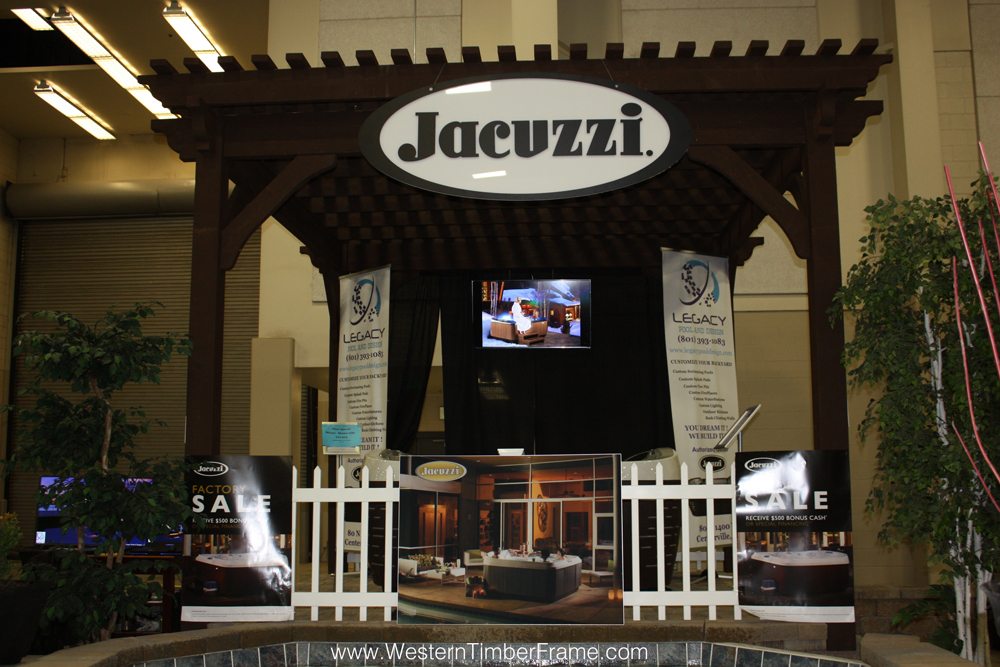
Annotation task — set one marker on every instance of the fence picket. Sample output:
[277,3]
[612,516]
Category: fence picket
[632,492]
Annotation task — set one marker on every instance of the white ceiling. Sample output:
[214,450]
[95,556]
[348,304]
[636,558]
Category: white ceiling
[136,29]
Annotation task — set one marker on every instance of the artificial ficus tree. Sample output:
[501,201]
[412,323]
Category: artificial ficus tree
[74,430]
[903,295]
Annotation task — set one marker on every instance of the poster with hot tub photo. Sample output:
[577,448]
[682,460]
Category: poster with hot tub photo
[793,521]
[239,567]
[510,539]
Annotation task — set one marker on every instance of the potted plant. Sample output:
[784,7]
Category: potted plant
[105,493]
[21,602]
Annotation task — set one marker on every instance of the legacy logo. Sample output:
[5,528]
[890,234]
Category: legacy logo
[699,284]
[525,137]
[366,301]
[211,469]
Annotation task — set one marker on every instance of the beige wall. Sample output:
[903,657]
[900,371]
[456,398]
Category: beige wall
[708,21]
[381,25]
[984,18]
[133,157]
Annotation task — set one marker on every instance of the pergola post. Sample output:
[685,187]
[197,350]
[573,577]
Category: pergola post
[826,337]
[208,286]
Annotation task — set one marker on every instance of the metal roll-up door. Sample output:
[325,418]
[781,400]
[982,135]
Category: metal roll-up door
[87,266]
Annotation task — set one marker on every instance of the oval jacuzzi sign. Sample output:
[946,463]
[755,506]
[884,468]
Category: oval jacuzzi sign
[441,471]
[525,137]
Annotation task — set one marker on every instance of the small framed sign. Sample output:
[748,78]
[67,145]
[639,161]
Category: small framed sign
[341,437]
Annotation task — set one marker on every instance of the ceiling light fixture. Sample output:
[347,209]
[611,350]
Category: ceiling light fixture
[194,35]
[72,110]
[104,57]
[33,17]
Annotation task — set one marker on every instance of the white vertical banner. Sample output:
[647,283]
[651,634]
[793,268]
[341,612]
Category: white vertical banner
[701,364]
[363,361]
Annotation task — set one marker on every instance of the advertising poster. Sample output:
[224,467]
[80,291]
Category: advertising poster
[793,517]
[363,363]
[239,566]
[701,366]
[510,539]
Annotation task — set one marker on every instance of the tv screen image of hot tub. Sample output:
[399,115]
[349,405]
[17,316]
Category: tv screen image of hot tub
[532,314]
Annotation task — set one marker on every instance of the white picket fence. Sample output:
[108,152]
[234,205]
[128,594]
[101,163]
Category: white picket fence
[632,492]
[686,598]
[340,599]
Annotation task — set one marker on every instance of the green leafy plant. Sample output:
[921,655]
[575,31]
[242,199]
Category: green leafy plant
[82,437]
[906,345]
[10,535]
[940,605]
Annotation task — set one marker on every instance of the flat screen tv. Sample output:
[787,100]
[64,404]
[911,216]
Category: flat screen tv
[533,314]
[49,531]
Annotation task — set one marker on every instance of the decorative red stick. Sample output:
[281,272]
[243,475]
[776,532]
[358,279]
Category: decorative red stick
[975,277]
[965,367]
[975,467]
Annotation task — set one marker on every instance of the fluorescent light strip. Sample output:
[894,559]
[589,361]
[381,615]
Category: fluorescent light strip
[33,17]
[70,108]
[113,64]
[189,29]
[490,174]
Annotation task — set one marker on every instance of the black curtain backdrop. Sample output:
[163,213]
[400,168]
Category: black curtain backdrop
[612,397]
[413,321]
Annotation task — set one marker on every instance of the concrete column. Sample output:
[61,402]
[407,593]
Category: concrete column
[913,109]
[534,22]
[275,398]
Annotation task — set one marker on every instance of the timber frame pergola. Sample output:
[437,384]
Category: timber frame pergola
[288,141]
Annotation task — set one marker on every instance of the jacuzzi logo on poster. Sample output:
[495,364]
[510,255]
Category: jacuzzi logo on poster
[441,471]
[525,137]
[211,469]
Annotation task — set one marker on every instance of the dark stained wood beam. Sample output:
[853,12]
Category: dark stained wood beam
[698,75]
[614,51]
[829,47]
[331,59]
[297,61]
[195,66]
[470,54]
[725,161]
[507,53]
[162,67]
[279,190]
[578,51]
[685,50]
[757,48]
[793,48]
[436,56]
[263,63]
[400,57]
[230,64]
[543,52]
[826,339]
[208,283]
[366,58]
[721,49]
[649,50]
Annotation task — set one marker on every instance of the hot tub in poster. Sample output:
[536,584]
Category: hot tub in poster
[533,579]
[810,573]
